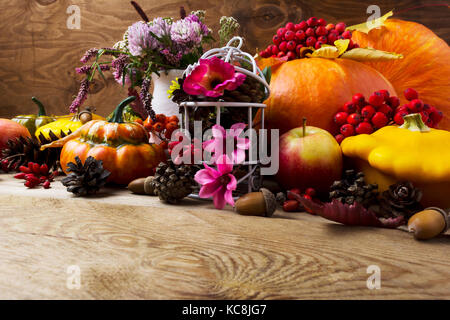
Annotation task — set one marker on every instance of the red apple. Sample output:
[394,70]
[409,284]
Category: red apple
[310,157]
[10,130]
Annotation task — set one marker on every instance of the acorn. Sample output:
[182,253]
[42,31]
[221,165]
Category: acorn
[85,115]
[142,186]
[262,203]
[428,223]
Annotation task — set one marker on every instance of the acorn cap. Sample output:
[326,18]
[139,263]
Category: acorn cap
[271,201]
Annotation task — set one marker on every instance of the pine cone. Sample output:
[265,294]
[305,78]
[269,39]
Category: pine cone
[401,199]
[250,91]
[173,182]
[86,178]
[20,151]
[353,188]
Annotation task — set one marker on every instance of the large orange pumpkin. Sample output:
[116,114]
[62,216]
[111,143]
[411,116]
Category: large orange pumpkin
[317,88]
[123,147]
[425,66]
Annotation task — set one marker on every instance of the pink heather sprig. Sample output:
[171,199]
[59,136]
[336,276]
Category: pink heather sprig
[91,53]
[88,69]
[81,97]
[146,98]
[118,65]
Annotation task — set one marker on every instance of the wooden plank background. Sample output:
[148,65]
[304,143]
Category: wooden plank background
[38,53]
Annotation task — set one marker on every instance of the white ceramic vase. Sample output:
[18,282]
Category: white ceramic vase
[160,102]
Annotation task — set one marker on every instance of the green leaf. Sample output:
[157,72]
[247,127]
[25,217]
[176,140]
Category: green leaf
[100,72]
[267,72]
[369,25]
[370,54]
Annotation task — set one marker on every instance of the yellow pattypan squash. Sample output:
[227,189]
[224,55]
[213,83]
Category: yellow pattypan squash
[64,124]
[412,152]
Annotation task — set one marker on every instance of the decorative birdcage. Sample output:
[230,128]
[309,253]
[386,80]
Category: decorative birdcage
[250,178]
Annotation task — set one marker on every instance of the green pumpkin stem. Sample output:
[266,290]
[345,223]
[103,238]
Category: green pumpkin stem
[41,111]
[413,122]
[118,112]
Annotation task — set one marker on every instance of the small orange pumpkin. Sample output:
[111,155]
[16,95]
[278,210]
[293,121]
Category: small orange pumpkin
[316,88]
[123,147]
[425,65]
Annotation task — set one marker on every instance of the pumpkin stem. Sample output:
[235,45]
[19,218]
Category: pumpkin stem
[413,122]
[41,111]
[118,112]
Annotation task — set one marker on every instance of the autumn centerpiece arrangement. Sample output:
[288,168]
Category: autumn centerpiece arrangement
[355,120]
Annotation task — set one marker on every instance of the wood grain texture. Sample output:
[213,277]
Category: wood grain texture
[135,247]
[38,54]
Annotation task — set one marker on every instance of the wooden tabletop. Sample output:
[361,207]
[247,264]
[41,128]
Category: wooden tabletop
[124,246]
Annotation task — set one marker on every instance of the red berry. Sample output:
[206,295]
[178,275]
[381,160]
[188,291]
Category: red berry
[291,45]
[312,22]
[376,99]
[398,118]
[341,118]
[29,184]
[20,175]
[310,32]
[385,94]
[306,196]
[411,94]
[265,54]
[347,130]
[379,120]
[280,32]
[297,191]
[358,99]
[430,123]
[303,26]
[364,128]
[291,55]
[275,50]
[310,192]
[330,26]
[46,184]
[300,35]
[332,37]
[322,39]
[298,48]
[276,39]
[289,35]
[368,111]
[24,169]
[349,108]
[321,22]
[43,169]
[386,110]
[350,45]
[340,27]
[403,108]
[318,45]
[321,31]
[339,138]
[415,105]
[283,46]
[354,119]
[394,101]
[30,166]
[290,26]
[424,116]
[311,42]
[347,35]
[290,205]
[436,116]
[281,54]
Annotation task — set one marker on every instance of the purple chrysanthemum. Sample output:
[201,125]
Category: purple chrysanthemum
[160,27]
[187,32]
[81,97]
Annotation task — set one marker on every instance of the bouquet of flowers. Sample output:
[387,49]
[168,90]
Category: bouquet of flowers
[151,47]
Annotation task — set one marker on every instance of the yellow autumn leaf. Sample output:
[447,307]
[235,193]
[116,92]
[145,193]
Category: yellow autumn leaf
[370,54]
[342,45]
[328,52]
[371,24]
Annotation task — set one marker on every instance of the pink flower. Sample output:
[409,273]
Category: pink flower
[219,183]
[217,145]
[211,77]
